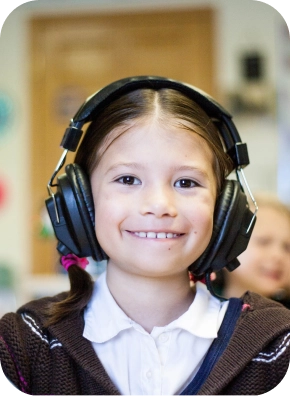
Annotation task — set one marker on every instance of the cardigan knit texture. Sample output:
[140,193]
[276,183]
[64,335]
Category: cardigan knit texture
[58,360]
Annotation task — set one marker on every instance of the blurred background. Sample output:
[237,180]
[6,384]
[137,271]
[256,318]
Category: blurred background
[55,53]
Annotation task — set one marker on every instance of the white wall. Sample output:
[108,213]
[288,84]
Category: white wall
[241,24]
[14,148]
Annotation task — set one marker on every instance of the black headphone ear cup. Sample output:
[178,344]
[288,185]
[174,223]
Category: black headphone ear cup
[229,238]
[79,206]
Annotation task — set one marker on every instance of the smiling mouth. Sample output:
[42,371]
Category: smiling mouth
[157,235]
[275,275]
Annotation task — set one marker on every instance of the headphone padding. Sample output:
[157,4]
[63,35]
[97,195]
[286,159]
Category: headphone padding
[225,212]
[83,194]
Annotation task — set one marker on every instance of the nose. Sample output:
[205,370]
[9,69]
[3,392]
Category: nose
[159,202]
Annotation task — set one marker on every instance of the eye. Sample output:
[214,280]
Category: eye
[287,247]
[185,183]
[128,180]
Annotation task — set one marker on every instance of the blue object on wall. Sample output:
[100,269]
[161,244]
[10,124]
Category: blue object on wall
[6,112]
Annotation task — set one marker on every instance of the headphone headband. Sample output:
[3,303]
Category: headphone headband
[96,102]
[107,94]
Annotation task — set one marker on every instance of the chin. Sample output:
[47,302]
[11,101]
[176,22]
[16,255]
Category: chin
[156,271]
[269,293]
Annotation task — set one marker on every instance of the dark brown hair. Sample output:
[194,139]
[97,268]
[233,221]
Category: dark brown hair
[141,103]
[172,106]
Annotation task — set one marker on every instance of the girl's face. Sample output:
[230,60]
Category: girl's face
[154,193]
[265,264]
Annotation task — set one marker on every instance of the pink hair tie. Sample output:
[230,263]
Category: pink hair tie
[72,259]
[245,307]
[194,279]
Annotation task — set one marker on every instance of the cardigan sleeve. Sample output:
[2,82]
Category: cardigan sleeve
[264,372]
[13,356]
[276,356]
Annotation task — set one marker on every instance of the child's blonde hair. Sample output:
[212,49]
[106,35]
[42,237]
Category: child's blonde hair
[271,200]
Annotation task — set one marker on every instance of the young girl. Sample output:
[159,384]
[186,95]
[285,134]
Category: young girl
[149,192]
[265,264]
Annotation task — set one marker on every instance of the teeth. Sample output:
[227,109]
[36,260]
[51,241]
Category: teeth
[152,234]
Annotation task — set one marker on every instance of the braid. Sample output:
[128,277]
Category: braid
[81,289]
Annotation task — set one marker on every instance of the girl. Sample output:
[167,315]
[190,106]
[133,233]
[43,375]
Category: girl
[265,264]
[149,192]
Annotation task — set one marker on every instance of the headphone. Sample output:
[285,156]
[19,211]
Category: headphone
[71,207]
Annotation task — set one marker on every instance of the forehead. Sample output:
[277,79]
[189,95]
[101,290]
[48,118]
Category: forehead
[178,132]
[158,148]
[273,218]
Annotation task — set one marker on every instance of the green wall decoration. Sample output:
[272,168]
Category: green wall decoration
[6,112]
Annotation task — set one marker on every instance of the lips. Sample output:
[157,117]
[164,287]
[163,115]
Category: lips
[157,235]
[275,275]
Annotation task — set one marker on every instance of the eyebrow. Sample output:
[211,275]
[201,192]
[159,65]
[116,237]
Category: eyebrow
[200,171]
[136,165]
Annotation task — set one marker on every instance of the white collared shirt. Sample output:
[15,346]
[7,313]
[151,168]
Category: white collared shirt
[163,362]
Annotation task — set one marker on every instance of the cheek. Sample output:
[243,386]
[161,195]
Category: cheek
[202,223]
[250,263]
[241,276]
[251,256]
[102,208]
[109,215]
[104,224]
[104,211]
[204,216]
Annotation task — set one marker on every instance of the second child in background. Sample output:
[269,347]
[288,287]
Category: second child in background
[265,264]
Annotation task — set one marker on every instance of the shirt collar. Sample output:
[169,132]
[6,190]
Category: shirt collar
[204,316]
[104,319]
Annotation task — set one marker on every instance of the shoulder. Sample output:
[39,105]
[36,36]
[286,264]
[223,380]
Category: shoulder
[25,342]
[27,320]
[257,355]
[266,308]
[35,307]
[24,330]
[270,318]
[263,325]
[264,332]
[38,306]
[264,328]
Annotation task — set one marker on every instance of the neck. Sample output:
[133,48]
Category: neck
[233,290]
[150,301]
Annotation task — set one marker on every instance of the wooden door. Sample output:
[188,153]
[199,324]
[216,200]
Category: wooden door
[74,56]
